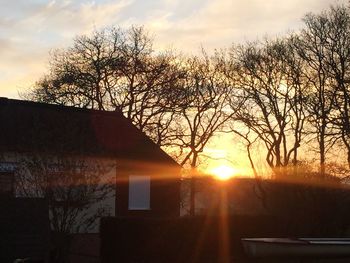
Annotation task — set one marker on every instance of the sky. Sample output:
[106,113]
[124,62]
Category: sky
[31,29]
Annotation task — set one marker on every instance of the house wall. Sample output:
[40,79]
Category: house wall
[17,162]
[164,189]
[108,203]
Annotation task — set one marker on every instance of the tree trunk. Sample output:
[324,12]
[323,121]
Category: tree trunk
[322,156]
[193,185]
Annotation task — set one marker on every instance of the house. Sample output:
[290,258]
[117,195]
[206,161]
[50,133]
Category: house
[84,150]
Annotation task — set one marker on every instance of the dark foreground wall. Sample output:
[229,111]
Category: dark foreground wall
[198,239]
[294,210]
[24,228]
[84,248]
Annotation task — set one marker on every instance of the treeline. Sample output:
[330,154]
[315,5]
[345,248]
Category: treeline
[282,94]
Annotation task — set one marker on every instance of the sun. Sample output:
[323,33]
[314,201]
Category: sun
[223,172]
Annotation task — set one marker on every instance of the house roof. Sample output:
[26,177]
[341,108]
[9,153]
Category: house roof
[27,126]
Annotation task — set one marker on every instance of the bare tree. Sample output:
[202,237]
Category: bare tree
[114,70]
[76,189]
[70,185]
[268,82]
[311,47]
[202,110]
[338,61]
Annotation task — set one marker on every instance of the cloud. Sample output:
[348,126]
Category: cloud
[219,23]
[30,29]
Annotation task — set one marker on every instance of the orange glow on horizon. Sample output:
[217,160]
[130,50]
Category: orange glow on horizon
[223,172]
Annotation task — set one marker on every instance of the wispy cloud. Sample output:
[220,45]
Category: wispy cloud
[219,23]
[30,29]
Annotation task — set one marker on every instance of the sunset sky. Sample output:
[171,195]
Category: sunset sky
[30,29]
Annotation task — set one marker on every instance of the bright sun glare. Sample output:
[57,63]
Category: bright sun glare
[223,172]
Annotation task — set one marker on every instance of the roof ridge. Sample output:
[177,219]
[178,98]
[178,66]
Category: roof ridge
[5,100]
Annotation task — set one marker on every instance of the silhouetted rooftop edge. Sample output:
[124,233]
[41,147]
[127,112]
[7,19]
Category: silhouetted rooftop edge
[34,126]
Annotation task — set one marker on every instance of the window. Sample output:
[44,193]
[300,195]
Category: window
[139,192]
[7,184]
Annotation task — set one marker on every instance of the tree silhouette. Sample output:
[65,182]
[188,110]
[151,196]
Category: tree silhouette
[267,81]
[114,70]
[202,110]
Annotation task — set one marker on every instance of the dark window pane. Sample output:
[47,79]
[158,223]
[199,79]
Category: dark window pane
[6,184]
